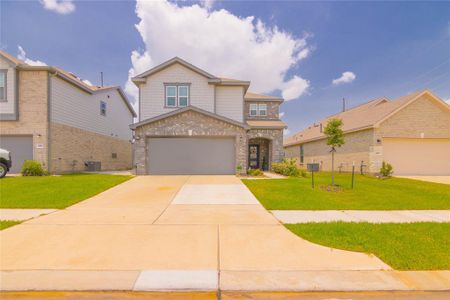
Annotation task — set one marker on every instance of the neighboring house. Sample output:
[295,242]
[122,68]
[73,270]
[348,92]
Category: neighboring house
[51,116]
[412,133]
[192,122]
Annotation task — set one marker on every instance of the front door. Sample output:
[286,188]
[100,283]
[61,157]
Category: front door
[253,156]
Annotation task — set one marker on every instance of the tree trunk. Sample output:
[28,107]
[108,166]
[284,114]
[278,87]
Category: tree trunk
[332,168]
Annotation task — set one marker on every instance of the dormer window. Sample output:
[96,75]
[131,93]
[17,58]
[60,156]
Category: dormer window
[177,95]
[258,110]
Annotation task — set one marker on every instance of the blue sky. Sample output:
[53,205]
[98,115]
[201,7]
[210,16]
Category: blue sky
[391,48]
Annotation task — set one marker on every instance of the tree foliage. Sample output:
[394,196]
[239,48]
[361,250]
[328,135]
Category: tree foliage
[334,133]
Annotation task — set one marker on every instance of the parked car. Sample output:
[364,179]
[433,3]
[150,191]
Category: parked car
[5,162]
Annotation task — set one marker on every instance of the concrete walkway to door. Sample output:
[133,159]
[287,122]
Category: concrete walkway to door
[178,233]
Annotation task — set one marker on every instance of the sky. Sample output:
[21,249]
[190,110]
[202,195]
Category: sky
[313,54]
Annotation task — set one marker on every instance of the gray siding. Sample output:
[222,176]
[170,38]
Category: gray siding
[153,91]
[73,107]
[229,102]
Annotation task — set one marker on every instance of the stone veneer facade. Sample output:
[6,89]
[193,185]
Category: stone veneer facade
[194,124]
[189,123]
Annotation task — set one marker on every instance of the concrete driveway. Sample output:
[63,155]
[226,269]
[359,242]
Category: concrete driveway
[175,232]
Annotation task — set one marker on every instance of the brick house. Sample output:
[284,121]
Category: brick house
[192,122]
[412,133]
[52,116]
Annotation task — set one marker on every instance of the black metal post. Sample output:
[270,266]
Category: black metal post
[312,178]
[353,175]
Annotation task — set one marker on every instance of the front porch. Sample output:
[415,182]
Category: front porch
[264,147]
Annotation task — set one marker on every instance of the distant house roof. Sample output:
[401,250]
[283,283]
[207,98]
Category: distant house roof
[251,96]
[68,76]
[364,116]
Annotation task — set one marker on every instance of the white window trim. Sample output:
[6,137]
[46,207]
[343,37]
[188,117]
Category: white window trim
[178,95]
[256,110]
[261,110]
[167,96]
[5,87]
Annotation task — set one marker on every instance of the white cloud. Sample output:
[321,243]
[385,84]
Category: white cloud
[281,114]
[22,55]
[346,77]
[448,101]
[87,82]
[294,88]
[220,43]
[63,7]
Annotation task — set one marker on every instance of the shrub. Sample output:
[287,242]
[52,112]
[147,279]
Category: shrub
[386,169]
[255,172]
[33,168]
[238,169]
[288,167]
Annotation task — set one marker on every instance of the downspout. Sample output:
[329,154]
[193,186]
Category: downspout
[49,77]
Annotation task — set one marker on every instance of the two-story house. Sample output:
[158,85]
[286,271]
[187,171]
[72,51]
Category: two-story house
[192,122]
[52,116]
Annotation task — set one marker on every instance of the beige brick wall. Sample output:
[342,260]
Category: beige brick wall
[33,98]
[70,143]
[273,108]
[423,118]
[357,148]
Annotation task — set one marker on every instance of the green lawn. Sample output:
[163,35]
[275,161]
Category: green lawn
[369,193]
[413,246]
[6,224]
[54,191]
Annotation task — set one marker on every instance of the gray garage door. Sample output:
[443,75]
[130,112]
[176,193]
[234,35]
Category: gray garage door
[195,156]
[21,148]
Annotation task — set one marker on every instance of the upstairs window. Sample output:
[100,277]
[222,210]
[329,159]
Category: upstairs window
[258,110]
[177,95]
[262,109]
[171,96]
[102,108]
[2,85]
[253,110]
[183,95]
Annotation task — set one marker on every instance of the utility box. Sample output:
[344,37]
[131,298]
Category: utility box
[313,167]
[93,166]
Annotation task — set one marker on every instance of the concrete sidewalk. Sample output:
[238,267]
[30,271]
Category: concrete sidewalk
[155,233]
[371,216]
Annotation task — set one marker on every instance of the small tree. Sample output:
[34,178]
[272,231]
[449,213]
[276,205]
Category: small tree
[335,138]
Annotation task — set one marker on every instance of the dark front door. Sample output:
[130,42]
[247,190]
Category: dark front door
[253,156]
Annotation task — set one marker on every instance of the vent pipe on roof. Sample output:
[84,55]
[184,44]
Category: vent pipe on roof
[343,104]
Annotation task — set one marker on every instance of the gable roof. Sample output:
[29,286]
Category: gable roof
[367,115]
[176,60]
[12,59]
[185,109]
[141,78]
[69,77]
[250,96]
